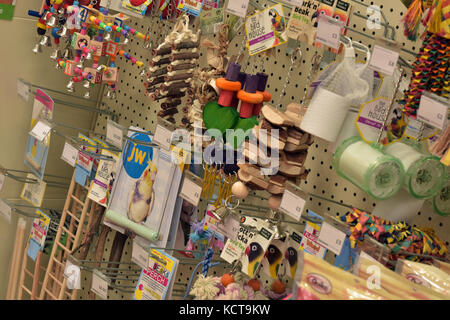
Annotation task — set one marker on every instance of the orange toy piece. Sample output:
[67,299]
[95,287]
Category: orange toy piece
[278,287]
[227,279]
[255,284]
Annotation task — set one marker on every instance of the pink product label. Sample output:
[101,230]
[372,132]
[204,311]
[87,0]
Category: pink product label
[369,122]
[261,39]
[310,236]
[45,99]
[157,277]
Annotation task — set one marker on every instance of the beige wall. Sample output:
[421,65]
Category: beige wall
[18,61]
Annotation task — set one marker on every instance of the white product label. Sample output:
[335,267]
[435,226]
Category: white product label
[413,130]
[383,60]
[292,204]
[5,211]
[163,137]
[33,192]
[99,284]
[114,134]
[41,130]
[433,112]
[72,273]
[328,32]
[2,181]
[237,7]
[70,154]
[229,228]
[297,3]
[23,89]
[139,256]
[190,191]
[331,238]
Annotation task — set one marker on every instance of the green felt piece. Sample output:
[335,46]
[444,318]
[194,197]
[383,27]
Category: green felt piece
[217,117]
[242,131]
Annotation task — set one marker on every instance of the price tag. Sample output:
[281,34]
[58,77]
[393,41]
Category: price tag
[163,136]
[237,7]
[100,284]
[23,89]
[114,134]
[296,3]
[331,238]
[139,256]
[432,111]
[328,32]
[70,154]
[191,190]
[2,181]
[41,130]
[383,60]
[72,273]
[292,204]
[5,211]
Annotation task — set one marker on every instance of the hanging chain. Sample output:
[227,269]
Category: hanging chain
[316,59]
[296,52]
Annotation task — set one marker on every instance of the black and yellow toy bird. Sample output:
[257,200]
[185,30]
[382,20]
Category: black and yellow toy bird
[274,257]
[254,252]
[291,256]
[278,22]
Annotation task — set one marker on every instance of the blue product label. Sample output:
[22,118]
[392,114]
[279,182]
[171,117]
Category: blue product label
[137,157]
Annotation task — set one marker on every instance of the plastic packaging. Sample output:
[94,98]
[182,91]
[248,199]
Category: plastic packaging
[322,281]
[378,276]
[426,275]
[380,175]
[425,175]
[339,91]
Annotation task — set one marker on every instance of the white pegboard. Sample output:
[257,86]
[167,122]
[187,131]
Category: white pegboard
[134,108]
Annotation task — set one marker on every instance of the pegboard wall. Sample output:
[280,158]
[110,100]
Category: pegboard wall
[135,109]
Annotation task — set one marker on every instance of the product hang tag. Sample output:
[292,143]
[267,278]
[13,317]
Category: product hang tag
[163,133]
[139,255]
[332,234]
[72,273]
[229,227]
[412,130]
[41,130]
[329,31]
[237,7]
[70,154]
[100,284]
[293,202]
[114,134]
[384,56]
[5,211]
[433,110]
[192,7]
[191,188]
[23,89]
[33,193]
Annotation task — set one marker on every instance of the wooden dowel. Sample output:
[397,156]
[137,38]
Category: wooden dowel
[182,66]
[181,76]
[186,45]
[171,104]
[184,56]
[168,112]
[175,85]
[162,51]
[160,62]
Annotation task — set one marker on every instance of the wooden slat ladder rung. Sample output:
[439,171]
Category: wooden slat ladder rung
[26,290]
[55,279]
[68,232]
[77,200]
[63,247]
[50,294]
[73,216]
[28,272]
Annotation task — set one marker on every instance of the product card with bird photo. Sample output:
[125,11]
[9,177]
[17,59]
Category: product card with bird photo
[266,29]
[253,239]
[273,257]
[293,259]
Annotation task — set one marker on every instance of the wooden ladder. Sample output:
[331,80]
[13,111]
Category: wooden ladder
[76,209]
[34,275]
